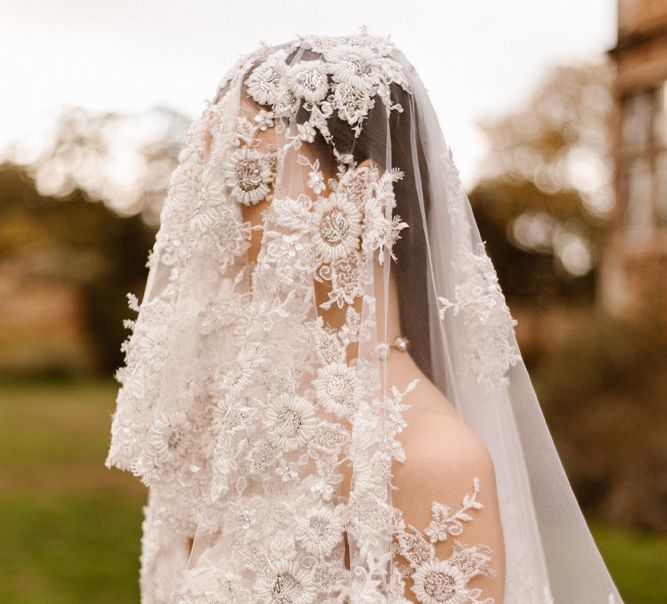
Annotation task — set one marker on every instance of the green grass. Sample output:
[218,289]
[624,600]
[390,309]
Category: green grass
[638,563]
[60,548]
[70,528]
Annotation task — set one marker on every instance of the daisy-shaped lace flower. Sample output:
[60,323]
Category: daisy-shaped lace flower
[290,421]
[250,174]
[337,227]
[308,80]
[265,83]
[168,436]
[357,66]
[282,582]
[439,582]
[320,530]
[336,388]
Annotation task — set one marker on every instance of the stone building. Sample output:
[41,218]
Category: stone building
[637,255]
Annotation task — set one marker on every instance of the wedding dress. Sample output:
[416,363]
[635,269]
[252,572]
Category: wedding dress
[258,401]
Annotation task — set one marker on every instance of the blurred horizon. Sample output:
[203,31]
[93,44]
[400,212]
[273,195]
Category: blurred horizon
[128,57]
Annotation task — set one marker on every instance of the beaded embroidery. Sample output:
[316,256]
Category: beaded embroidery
[436,581]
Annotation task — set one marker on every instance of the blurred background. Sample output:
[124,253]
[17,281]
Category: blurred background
[557,115]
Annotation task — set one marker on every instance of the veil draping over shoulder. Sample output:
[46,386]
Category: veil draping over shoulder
[255,367]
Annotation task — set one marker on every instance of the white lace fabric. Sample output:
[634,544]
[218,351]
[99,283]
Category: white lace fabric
[240,400]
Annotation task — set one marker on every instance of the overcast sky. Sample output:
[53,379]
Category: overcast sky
[477,57]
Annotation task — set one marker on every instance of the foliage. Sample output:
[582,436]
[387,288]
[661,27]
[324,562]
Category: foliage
[602,387]
[543,209]
[125,160]
[534,237]
[544,200]
[559,138]
[78,241]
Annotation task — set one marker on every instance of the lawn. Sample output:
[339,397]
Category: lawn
[70,528]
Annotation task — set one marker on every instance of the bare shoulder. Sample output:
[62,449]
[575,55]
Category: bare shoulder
[447,463]
[443,456]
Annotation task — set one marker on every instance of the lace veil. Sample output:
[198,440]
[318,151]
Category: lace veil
[254,370]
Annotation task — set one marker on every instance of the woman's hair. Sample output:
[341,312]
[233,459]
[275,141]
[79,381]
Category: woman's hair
[410,249]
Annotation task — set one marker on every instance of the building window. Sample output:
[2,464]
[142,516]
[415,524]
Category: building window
[644,159]
[660,134]
[639,214]
[637,122]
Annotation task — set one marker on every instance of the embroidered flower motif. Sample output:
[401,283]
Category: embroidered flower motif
[264,120]
[355,66]
[352,104]
[168,436]
[336,387]
[438,582]
[241,516]
[323,490]
[265,81]
[472,560]
[444,581]
[290,420]
[250,174]
[316,181]
[308,80]
[356,184]
[445,523]
[283,582]
[261,456]
[382,228]
[347,282]
[329,347]
[414,548]
[321,530]
[329,437]
[488,324]
[306,132]
[338,226]
[328,577]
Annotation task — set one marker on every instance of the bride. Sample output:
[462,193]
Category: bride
[322,388]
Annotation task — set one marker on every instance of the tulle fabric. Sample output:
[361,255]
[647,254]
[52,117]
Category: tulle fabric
[220,337]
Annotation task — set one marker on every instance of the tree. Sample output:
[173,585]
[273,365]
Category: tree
[79,241]
[545,196]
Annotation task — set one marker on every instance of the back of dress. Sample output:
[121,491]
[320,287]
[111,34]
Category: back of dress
[315,239]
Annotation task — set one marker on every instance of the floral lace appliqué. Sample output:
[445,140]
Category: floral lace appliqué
[490,350]
[344,81]
[436,581]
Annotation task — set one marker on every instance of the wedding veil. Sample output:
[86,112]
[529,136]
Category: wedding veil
[240,397]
